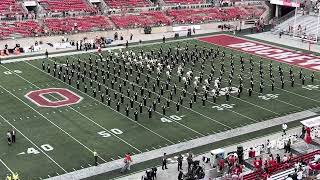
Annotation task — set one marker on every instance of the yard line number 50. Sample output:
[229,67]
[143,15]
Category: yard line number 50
[105,134]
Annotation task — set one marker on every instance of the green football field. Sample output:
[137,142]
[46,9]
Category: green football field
[53,141]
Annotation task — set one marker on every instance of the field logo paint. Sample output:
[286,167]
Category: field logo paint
[267,51]
[38,98]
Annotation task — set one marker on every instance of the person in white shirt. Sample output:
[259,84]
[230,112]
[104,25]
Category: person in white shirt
[13,136]
[268,146]
[9,137]
[299,175]
[284,159]
[284,128]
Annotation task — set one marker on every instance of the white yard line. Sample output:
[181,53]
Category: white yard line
[6,166]
[40,149]
[106,106]
[79,113]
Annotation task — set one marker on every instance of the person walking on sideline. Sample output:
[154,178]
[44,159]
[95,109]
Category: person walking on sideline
[190,161]
[268,146]
[9,137]
[127,161]
[284,128]
[164,161]
[46,54]
[95,154]
[13,134]
[180,158]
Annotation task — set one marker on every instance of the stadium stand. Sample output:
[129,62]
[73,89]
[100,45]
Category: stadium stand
[305,27]
[20,29]
[213,14]
[150,18]
[63,6]
[79,24]
[10,7]
[183,1]
[283,168]
[127,3]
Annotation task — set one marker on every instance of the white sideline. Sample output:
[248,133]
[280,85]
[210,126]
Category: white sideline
[139,158]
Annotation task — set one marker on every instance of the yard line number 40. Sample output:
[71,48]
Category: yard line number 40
[45,147]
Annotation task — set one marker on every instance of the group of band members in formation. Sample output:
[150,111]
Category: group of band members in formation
[178,75]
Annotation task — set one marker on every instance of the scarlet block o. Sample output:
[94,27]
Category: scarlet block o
[69,97]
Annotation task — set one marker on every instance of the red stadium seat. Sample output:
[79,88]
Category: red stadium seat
[64,6]
[119,4]
[80,24]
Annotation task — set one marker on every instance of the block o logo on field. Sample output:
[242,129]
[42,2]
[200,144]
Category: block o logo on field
[68,97]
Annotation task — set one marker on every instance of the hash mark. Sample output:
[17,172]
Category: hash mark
[147,149]
[112,159]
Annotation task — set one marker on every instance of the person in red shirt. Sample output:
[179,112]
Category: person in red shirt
[252,153]
[256,164]
[308,138]
[221,165]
